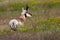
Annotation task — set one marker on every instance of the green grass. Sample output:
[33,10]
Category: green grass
[52,24]
[41,20]
[1,0]
[33,5]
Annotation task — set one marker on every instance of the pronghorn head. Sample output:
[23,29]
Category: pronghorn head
[28,15]
[25,12]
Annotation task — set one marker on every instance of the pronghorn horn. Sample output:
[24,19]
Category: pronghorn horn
[27,7]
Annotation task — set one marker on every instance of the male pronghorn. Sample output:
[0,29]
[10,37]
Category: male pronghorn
[24,14]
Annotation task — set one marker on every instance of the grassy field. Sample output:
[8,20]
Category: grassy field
[44,25]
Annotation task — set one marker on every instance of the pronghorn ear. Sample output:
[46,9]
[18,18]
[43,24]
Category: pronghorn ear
[22,9]
[27,7]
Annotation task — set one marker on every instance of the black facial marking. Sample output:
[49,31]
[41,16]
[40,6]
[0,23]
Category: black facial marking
[28,13]
[25,15]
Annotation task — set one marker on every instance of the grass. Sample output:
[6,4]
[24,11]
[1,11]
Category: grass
[51,24]
[46,16]
[33,5]
[44,25]
[4,31]
[1,0]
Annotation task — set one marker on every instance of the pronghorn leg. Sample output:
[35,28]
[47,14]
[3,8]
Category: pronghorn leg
[13,27]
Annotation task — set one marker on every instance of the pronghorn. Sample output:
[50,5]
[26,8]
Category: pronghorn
[24,14]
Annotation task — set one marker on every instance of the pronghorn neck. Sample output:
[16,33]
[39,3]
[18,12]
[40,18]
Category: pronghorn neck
[22,18]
